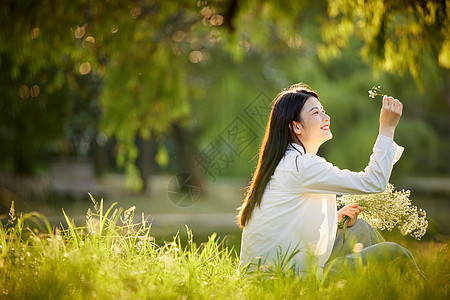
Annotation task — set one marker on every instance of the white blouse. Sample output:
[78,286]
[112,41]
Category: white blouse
[298,212]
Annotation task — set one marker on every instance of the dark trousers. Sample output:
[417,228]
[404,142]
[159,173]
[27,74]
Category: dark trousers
[364,245]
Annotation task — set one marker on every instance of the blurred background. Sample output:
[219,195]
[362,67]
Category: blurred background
[162,105]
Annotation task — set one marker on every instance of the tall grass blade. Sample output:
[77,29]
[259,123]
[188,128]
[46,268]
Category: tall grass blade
[71,229]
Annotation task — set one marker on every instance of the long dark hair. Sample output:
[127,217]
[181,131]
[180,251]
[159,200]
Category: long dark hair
[286,108]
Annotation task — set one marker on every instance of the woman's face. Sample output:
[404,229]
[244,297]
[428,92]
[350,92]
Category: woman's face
[314,128]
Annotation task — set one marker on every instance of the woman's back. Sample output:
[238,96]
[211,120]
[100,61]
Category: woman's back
[288,221]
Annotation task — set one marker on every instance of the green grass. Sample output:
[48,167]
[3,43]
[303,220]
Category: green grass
[116,257]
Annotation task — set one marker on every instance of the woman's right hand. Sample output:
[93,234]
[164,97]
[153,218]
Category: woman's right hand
[352,211]
[390,114]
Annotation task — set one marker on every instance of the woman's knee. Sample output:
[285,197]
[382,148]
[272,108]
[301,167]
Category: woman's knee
[365,233]
[388,251]
[397,250]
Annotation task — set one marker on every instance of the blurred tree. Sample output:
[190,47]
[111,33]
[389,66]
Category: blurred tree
[395,34]
[149,64]
[38,56]
[31,118]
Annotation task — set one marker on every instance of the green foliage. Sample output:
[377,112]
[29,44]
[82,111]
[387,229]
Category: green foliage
[396,34]
[132,69]
[38,56]
[113,257]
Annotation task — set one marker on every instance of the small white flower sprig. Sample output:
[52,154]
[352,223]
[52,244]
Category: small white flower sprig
[387,210]
[375,91]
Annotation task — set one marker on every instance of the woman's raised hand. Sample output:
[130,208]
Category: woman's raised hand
[390,114]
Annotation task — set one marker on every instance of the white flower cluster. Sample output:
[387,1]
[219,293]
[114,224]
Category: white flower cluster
[389,209]
[375,91]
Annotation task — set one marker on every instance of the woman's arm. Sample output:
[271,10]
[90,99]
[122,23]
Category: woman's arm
[316,175]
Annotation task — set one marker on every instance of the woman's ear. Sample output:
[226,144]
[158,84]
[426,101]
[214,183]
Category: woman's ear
[295,126]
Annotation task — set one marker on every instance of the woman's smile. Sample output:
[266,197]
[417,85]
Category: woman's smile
[325,127]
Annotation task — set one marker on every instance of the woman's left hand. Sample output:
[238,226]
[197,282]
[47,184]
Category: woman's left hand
[352,211]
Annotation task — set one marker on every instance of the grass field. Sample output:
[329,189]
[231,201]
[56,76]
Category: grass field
[115,256]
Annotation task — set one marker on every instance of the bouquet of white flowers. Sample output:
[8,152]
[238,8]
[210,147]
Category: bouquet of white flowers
[387,210]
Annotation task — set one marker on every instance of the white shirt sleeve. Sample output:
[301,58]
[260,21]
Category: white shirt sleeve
[316,175]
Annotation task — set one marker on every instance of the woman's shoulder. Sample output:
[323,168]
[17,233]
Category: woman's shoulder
[295,161]
[302,164]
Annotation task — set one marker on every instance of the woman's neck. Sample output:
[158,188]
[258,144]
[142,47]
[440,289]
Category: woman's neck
[309,147]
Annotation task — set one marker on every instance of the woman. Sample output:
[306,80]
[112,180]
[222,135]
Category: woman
[289,216]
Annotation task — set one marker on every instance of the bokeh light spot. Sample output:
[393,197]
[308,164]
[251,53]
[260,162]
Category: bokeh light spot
[216,20]
[85,68]
[35,32]
[245,45]
[24,92]
[34,91]
[295,42]
[206,12]
[79,32]
[358,247]
[135,12]
[178,36]
[90,39]
[196,56]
